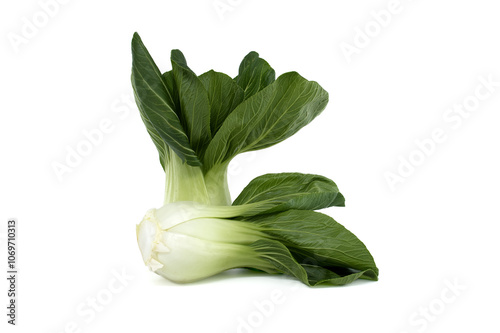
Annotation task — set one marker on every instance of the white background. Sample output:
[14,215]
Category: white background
[436,227]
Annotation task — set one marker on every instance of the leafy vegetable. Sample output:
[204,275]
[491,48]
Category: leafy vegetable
[224,95]
[155,102]
[193,102]
[267,117]
[254,74]
[283,191]
[198,125]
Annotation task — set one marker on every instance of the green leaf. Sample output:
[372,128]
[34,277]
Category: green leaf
[319,275]
[153,133]
[155,104]
[283,191]
[254,74]
[268,117]
[224,95]
[168,78]
[193,103]
[317,239]
[279,256]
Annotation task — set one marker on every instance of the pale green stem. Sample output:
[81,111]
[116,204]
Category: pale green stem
[216,185]
[183,182]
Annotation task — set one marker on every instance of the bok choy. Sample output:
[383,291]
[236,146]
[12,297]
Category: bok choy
[198,125]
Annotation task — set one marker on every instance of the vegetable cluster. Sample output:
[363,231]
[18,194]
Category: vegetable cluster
[199,124]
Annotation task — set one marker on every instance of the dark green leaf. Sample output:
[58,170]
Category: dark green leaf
[155,105]
[282,191]
[319,275]
[153,133]
[223,95]
[284,262]
[193,102]
[279,256]
[268,117]
[317,239]
[254,74]
[169,79]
